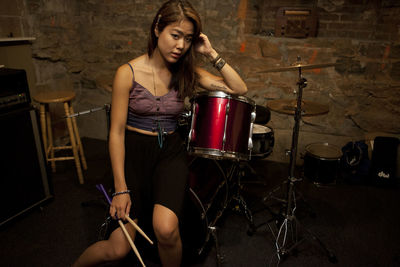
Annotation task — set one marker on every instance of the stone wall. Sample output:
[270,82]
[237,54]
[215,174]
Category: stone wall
[79,45]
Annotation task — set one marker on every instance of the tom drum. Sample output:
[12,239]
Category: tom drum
[221,126]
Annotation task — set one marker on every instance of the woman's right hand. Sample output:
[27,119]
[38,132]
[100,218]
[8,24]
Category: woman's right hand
[120,205]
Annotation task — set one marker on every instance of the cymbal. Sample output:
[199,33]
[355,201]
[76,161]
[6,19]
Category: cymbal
[299,65]
[288,106]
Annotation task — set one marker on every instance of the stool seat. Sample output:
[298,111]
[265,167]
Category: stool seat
[44,98]
[58,96]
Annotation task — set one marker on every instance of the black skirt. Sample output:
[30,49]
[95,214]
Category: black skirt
[154,174]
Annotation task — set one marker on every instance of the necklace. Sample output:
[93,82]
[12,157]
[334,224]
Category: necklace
[154,81]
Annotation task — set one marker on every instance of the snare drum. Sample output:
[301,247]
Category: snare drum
[221,126]
[263,141]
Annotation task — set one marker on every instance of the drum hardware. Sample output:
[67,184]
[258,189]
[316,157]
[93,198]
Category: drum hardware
[220,257]
[77,114]
[235,174]
[207,200]
[286,222]
[99,200]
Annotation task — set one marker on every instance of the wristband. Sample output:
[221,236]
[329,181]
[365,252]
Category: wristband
[220,64]
[215,60]
[121,193]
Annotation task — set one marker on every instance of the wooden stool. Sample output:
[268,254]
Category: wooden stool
[44,98]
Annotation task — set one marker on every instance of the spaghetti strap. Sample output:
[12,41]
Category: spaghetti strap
[133,73]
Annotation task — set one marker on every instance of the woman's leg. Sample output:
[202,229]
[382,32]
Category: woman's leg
[115,248]
[166,229]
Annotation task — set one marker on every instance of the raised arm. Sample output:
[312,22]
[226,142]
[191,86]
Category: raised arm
[229,81]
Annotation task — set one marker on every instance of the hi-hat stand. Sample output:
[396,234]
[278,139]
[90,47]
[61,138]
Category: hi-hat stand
[287,225]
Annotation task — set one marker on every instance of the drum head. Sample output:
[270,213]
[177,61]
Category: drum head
[261,129]
[221,94]
[324,151]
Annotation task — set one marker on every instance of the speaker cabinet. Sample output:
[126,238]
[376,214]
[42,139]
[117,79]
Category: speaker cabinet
[24,182]
[384,160]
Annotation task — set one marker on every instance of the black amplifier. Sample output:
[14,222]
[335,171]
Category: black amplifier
[14,89]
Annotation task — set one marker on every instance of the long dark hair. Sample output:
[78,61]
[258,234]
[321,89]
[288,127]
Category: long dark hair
[184,78]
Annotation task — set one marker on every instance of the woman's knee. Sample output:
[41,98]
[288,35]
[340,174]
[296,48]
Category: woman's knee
[166,227]
[116,253]
[167,233]
[117,246]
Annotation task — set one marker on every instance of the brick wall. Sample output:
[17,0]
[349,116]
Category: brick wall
[356,19]
[80,44]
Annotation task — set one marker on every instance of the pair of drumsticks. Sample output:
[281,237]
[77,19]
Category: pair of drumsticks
[121,224]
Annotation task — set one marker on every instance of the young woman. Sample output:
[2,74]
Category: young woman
[147,154]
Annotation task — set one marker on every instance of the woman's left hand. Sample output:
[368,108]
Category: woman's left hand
[204,47]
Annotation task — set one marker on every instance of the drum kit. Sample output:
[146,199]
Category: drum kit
[223,133]
[222,128]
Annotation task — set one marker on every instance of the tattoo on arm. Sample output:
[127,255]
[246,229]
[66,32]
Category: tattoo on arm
[218,87]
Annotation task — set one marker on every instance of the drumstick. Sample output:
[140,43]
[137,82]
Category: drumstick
[138,228]
[131,242]
[100,187]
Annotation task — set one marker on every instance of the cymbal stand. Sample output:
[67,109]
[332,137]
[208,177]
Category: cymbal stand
[286,237]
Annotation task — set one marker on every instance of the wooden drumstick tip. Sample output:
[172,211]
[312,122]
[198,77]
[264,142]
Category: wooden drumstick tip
[138,228]
[131,242]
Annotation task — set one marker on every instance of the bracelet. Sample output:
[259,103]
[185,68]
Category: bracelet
[220,64]
[215,60]
[121,193]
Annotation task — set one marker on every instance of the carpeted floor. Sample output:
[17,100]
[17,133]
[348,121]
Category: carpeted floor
[358,223]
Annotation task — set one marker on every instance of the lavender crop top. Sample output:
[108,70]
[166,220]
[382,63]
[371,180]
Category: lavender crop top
[149,112]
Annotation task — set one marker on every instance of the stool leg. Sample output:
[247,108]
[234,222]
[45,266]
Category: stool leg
[73,142]
[78,139]
[50,138]
[42,110]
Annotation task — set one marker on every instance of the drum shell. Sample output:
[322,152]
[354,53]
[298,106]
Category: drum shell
[322,163]
[263,141]
[220,126]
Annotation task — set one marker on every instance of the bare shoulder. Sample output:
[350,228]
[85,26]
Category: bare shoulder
[123,78]
[125,71]
[141,68]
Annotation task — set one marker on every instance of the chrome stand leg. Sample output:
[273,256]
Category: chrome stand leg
[219,256]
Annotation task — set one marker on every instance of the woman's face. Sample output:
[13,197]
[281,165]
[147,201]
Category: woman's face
[174,41]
